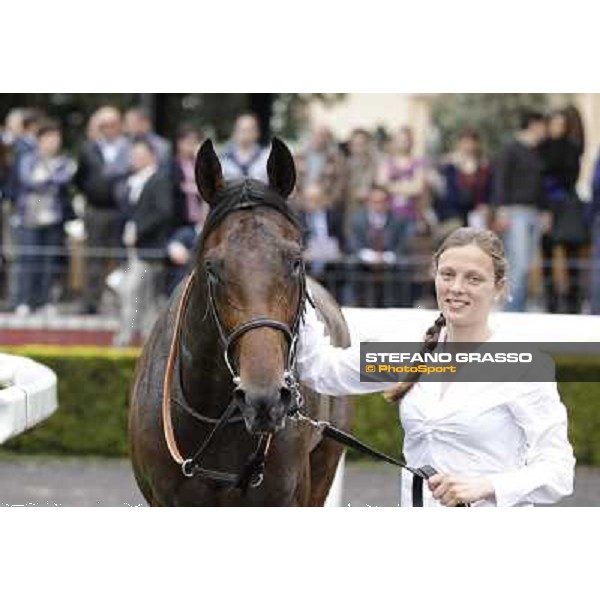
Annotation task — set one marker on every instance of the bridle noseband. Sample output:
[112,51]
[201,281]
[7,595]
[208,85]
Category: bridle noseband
[291,335]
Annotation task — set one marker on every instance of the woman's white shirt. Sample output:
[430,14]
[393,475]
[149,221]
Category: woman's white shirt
[514,433]
[325,368]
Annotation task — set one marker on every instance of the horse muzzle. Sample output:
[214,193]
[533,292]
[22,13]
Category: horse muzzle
[263,411]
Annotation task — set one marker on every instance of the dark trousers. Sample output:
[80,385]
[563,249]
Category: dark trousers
[103,229]
[573,295]
[38,263]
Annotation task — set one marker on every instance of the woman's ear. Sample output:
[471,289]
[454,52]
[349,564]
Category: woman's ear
[501,291]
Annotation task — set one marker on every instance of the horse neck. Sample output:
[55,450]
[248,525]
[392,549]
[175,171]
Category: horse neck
[203,370]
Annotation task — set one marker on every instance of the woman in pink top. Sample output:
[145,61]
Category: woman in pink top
[404,175]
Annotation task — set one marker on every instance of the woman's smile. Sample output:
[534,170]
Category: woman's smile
[457,303]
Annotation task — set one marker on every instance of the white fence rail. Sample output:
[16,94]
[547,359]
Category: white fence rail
[28,394]
[410,324]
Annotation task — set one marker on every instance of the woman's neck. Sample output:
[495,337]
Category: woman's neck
[479,332]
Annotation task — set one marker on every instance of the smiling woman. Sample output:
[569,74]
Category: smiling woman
[492,443]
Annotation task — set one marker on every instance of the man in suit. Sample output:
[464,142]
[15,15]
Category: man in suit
[324,240]
[379,239]
[148,226]
[103,170]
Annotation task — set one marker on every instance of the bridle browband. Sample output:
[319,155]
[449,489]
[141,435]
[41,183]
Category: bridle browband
[252,474]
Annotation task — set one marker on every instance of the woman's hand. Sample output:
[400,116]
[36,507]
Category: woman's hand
[451,489]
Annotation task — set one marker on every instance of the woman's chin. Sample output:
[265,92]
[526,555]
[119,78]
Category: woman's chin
[455,316]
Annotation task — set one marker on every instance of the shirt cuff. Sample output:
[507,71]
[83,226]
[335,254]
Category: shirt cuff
[506,489]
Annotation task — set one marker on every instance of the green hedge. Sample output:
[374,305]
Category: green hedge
[93,387]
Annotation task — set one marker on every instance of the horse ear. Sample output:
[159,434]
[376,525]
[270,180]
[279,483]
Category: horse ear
[209,175]
[281,169]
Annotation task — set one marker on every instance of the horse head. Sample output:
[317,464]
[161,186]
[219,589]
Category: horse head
[250,257]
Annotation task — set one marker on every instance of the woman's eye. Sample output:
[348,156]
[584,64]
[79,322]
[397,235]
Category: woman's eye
[474,279]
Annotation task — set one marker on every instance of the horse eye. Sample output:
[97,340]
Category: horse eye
[211,269]
[297,266]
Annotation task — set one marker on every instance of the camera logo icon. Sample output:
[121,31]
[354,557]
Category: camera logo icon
[370,368]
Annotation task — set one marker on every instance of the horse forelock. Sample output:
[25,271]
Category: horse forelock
[250,208]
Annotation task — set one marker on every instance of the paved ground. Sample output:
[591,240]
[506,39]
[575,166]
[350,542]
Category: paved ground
[93,482]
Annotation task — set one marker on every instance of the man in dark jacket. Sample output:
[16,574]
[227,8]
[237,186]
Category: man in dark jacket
[149,209]
[149,214]
[520,200]
[103,169]
[324,240]
[379,239]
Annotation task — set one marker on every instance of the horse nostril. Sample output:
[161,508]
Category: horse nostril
[286,396]
[239,396]
[276,412]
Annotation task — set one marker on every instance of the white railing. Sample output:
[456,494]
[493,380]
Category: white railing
[410,324]
[28,394]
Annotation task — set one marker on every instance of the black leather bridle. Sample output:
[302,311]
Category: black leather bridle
[252,473]
[291,334]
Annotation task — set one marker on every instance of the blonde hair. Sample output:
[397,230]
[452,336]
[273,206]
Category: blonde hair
[488,242]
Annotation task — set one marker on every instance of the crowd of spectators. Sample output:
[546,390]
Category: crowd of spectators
[372,208]
[395,206]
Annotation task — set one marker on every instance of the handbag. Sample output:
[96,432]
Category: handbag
[569,224]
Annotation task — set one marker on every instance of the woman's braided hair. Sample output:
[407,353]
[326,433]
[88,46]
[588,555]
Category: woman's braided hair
[491,244]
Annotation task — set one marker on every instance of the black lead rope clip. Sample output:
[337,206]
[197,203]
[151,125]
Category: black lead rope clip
[419,476]
[427,471]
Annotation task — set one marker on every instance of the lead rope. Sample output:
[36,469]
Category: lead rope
[420,474]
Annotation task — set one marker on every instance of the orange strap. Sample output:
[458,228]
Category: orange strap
[173,354]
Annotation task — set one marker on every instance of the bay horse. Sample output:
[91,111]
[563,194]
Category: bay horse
[214,392]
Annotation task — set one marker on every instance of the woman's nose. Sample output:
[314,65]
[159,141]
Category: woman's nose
[457,285]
